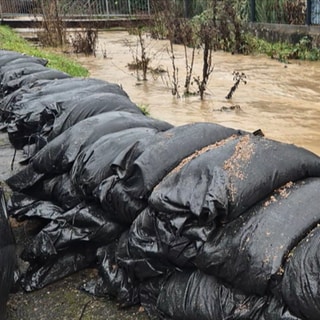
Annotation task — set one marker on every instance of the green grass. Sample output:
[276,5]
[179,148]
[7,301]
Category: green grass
[145,109]
[10,40]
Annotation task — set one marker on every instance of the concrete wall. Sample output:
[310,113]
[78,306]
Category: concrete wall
[285,32]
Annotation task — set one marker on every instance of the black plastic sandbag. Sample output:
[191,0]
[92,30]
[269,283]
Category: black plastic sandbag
[14,71]
[84,224]
[36,209]
[7,256]
[153,248]
[6,56]
[26,111]
[22,59]
[225,179]
[58,155]
[140,168]
[95,103]
[113,281]
[50,92]
[14,59]
[249,252]
[94,163]
[13,84]
[149,291]
[300,283]
[19,201]
[24,179]
[58,189]
[169,148]
[39,275]
[195,295]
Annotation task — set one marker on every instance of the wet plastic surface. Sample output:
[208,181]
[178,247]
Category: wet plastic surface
[7,255]
[303,265]
[248,253]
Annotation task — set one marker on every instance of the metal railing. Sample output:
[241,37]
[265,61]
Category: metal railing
[76,7]
[307,12]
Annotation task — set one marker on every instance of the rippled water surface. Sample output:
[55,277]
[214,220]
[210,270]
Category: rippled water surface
[280,99]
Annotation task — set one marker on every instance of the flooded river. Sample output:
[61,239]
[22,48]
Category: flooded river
[280,99]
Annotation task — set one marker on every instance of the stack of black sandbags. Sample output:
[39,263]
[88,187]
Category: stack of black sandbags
[7,256]
[192,221]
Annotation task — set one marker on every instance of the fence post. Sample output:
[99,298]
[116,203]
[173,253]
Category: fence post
[308,13]
[187,8]
[107,8]
[129,7]
[252,10]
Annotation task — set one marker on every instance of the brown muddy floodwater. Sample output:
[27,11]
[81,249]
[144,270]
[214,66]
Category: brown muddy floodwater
[280,99]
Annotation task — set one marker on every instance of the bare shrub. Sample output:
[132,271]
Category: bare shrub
[139,53]
[238,77]
[84,41]
[52,32]
[206,35]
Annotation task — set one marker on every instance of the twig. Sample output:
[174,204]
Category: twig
[84,309]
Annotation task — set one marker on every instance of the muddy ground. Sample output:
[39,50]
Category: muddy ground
[62,300]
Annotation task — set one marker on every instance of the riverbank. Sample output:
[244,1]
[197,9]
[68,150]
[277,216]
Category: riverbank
[10,40]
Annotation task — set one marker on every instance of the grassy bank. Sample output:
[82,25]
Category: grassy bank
[10,40]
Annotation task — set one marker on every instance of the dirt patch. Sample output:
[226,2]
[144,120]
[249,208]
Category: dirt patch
[201,151]
[234,165]
[64,301]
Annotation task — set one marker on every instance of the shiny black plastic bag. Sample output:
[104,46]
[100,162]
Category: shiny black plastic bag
[58,155]
[140,168]
[33,208]
[7,256]
[224,180]
[84,224]
[8,56]
[14,83]
[14,71]
[26,111]
[114,281]
[153,247]
[39,275]
[91,105]
[56,188]
[94,163]
[195,295]
[300,283]
[59,189]
[248,253]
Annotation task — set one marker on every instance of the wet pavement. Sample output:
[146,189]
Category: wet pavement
[64,301]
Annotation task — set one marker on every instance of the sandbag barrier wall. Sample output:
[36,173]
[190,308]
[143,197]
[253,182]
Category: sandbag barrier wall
[195,221]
